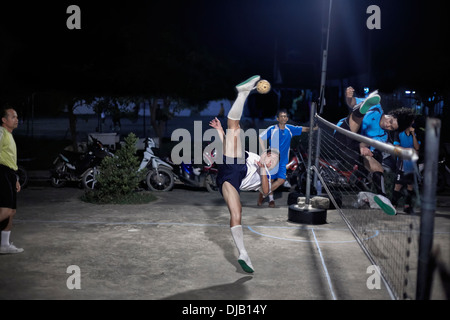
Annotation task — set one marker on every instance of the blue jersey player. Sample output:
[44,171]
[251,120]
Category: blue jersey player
[405,170]
[369,119]
[279,137]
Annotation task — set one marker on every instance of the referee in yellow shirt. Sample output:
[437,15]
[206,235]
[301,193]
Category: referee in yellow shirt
[9,182]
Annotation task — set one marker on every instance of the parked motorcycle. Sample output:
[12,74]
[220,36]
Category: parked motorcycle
[160,175]
[295,167]
[211,170]
[203,176]
[330,170]
[79,167]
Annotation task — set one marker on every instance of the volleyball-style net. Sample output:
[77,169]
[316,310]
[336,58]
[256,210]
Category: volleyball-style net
[389,241]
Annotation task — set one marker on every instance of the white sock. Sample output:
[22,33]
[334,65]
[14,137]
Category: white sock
[244,259]
[270,197]
[238,237]
[5,238]
[237,108]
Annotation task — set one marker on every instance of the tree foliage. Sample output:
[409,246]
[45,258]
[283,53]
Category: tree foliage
[119,176]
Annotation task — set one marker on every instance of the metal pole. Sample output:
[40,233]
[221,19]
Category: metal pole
[322,88]
[424,272]
[308,168]
[325,61]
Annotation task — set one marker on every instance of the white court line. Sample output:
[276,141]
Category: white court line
[302,240]
[330,285]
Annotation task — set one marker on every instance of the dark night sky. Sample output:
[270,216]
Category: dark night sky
[409,50]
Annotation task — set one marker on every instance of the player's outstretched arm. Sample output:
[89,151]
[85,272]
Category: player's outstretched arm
[265,186]
[215,123]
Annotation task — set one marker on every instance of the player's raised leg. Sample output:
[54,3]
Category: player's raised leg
[233,145]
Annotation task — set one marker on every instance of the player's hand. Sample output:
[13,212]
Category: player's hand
[349,92]
[261,165]
[366,152]
[215,123]
[18,187]
[262,168]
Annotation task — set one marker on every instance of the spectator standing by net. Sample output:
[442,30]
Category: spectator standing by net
[405,170]
[9,182]
[280,136]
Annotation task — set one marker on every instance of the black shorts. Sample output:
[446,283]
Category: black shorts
[404,178]
[233,171]
[8,191]
[378,155]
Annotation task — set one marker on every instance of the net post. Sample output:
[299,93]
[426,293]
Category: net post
[317,158]
[308,169]
[424,272]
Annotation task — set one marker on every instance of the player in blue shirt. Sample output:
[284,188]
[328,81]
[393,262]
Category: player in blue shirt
[358,107]
[279,136]
[369,119]
[376,125]
[405,170]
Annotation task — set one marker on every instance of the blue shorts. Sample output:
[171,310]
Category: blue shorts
[233,171]
[280,174]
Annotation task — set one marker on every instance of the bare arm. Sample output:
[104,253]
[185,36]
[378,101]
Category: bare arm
[308,129]
[349,98]
[416,143]
[364,150]
[265,185]
[215,123]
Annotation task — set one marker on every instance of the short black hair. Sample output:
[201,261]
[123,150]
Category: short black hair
[282,111]
[3,113]
[273,150]
[404,116]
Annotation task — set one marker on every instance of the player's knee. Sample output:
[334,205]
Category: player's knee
[281,179]
[6,213]
[235,219]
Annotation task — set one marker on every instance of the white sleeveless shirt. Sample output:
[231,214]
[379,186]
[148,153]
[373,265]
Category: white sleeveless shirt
[252,180]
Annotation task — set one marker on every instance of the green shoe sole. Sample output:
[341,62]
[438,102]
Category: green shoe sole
[245,267]
[386,208]
[247,81]
[369,103]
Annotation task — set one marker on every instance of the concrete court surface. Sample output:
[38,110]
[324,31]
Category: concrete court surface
[178,247]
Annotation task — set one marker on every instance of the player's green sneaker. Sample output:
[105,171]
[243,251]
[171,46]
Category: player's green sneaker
[249,84]
[246,264]
[372,100]
[385,205]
